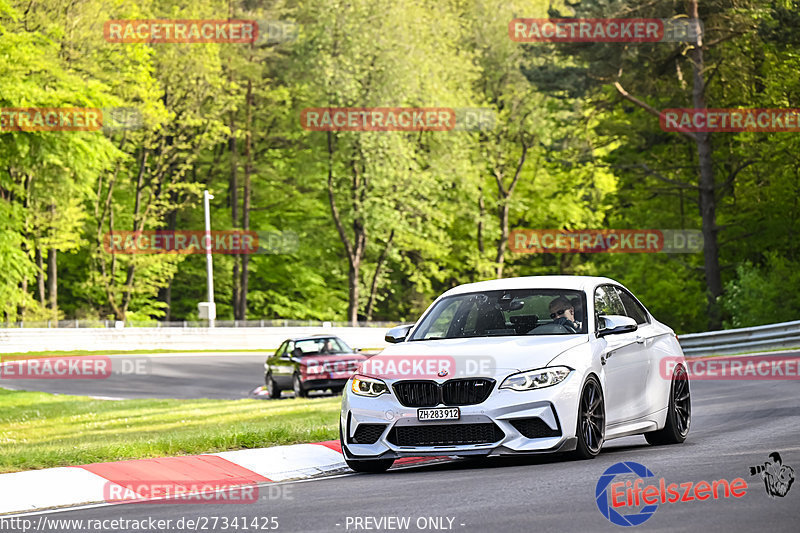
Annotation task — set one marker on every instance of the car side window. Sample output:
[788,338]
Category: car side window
[633,308]
[607,302]
[288,351]
[281,350]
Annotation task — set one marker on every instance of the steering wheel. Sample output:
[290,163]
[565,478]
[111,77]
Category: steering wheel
[566,324]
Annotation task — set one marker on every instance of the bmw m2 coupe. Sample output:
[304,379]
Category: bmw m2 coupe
[518,366]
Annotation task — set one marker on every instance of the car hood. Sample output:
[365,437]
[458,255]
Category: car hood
[477,356]
[333,358]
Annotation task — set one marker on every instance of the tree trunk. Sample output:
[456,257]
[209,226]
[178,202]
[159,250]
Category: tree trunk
[248,171]
[378,267]
[353,292]
[234,200]
[707,189]
[504,201]
[40,274]
[503,242]
[354,250]
[138,225]
[52,281]
[481,215]
[165,293]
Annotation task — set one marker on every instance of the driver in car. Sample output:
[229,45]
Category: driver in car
[563,313]
[327,347]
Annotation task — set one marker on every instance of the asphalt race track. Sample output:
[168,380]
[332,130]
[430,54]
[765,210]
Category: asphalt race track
[219,376]
[736,424]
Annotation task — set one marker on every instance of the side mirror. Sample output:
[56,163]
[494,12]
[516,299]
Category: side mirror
[398,334]
[614,324]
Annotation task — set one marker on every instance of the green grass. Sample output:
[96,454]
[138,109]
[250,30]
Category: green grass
[41,430]
[123,352]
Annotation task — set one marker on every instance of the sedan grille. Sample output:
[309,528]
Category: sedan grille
[445,434]
[452,392]
[534,428]
[341,366]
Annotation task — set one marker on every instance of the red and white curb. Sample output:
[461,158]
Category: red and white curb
[78,485]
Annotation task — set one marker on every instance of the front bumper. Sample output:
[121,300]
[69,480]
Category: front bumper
[315,384]
[537,421]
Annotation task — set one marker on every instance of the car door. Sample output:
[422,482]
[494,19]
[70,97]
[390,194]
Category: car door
[646,334]
[272,360]
[283,370]
[626,364]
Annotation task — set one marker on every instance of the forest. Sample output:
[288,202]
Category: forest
[385,221]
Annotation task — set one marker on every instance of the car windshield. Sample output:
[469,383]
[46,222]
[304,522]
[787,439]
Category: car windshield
[322,346]
[502,313]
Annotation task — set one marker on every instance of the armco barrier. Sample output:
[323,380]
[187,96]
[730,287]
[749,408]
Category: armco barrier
[769,337]
[731,341]
[234,339]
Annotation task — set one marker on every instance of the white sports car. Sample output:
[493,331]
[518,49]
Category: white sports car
[517,366]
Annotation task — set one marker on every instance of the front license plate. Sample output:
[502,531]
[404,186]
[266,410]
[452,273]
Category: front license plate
[441,413]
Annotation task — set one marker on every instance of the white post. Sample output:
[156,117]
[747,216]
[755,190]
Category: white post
[209,266]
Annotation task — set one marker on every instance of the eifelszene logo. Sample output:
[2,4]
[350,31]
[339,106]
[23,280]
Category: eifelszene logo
[778,477]
[629,502]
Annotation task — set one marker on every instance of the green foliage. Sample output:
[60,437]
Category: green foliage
[587,157]
[763,294]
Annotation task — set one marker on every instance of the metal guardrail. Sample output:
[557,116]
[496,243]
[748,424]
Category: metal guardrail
[187,339]
[742,340]
[261,323]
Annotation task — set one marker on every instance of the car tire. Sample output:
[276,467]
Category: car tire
[273,391]
[297,386]
[591,426]
[369,466]
[679,412]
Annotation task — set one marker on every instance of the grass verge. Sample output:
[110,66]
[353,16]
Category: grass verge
[41,430]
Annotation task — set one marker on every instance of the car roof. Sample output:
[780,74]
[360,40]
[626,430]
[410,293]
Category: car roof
[314,337]
[579,283]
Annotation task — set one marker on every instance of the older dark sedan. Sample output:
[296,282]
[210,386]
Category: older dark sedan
[303,364]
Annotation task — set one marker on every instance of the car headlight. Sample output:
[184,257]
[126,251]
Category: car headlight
[536,379]
[371,387]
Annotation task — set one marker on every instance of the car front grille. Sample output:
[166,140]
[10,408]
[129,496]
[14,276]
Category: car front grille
[341,366]
[367,433]
[445,434]
[534,428]
[423,393]
[466,391]
[417,393]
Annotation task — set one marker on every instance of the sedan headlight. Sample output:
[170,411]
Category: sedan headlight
[536,379]
[371,387]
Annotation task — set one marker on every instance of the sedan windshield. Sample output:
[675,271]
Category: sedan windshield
[505,313]
[322,346]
